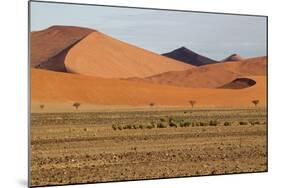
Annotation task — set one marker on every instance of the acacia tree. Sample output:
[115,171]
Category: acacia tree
[151,104]
[76,105]
[255,102]
[42,106]
[192,103]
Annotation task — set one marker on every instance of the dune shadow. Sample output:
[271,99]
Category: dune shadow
[239,83]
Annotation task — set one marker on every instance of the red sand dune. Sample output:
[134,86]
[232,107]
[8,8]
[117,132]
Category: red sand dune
[62,88]
[49,46]
[102,56]
[211,76]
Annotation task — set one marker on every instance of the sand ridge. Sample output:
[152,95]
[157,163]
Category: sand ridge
[48,43]
[211,76]
[103,56]
[56,87]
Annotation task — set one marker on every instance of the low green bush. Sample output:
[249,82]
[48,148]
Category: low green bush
[227,123]
[213,123]
[161,125]
[170,119]
[181,123]
[153,124]
[162,119]
[243,123]
[255,122]
[187,124]
[173,124]
[114,127]
[193,124]
[202,124]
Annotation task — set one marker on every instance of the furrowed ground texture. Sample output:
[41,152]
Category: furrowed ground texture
[85,147]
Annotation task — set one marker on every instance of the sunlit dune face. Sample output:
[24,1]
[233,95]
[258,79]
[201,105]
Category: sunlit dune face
[102,56]
[64,88]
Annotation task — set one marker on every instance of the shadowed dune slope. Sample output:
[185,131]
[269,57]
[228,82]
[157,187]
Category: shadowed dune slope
[103,56]
[211,76]
[239,83]
[49,46]
[185,55]
[62,88]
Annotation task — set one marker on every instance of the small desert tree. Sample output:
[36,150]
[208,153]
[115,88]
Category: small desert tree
[255,102]
[76,105]
[192,103]
[151,104]
[42,106]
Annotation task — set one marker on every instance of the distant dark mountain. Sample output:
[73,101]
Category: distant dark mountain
[233,57]
[185,55]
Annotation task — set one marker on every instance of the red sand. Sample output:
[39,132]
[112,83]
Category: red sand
[63,88]
[211,76]
[50,42]
[102,56]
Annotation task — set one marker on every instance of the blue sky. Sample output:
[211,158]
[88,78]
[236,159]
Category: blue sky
[212,35]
